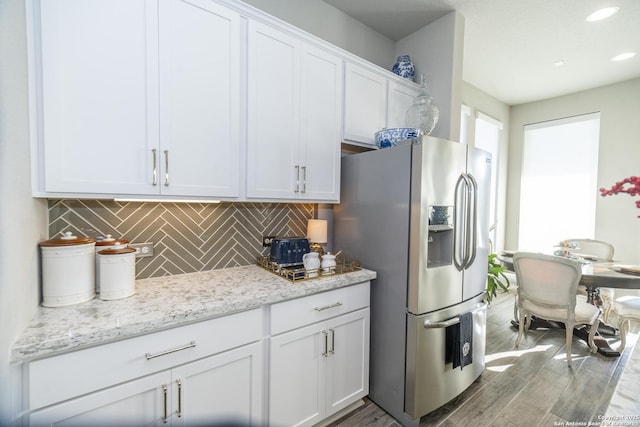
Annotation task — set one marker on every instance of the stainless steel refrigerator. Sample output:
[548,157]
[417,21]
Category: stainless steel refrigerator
[417,214]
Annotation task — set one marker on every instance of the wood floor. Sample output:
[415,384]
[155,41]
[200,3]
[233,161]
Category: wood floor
[523,387]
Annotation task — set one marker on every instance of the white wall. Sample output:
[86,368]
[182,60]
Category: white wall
[479,101]
[436,51]
[619,157]
[23,220]
[330,24]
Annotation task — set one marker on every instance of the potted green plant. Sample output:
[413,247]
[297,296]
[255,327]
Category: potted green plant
[496,279]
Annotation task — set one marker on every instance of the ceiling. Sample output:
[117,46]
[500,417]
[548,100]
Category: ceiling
[510,46]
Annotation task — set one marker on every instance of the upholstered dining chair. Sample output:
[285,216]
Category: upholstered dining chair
[547,287]
[628,308]
[602,251]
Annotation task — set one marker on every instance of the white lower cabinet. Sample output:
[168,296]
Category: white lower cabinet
[220,388]
[135,403]
[213,372]
[319,369]
[196,374]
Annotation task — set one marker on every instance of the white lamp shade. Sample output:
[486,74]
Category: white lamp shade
[317,231]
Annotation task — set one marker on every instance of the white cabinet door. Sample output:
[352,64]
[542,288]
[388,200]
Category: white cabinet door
[273,123]
[400,99]
[226,387]
[348,370]
[142,402]
[294,118]
[320,124]
[221,388]
[297,377]
[140,97]
[199,99]
[365,104]
[319,369]
[98,109]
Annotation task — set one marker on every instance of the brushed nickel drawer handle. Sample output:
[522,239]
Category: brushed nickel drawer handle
[326,307]
[150,356]
[333,341]
[326,345]
[179,398]
[164,392]
[155,167]
[166,168]
[304,179]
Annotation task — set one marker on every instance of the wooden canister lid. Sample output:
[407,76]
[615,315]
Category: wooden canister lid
[118,249]
[67,239]
[110,241]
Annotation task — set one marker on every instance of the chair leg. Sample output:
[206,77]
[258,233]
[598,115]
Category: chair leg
[592,336]
[521,322]
[607,312]
[623,326]
[569,337]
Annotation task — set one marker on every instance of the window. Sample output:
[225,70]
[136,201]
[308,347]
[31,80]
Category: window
[488,139]
[559,181]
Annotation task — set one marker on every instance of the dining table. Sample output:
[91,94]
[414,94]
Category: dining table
[595,275]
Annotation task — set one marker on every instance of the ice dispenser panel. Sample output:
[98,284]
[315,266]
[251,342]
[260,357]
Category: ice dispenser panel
[440,237]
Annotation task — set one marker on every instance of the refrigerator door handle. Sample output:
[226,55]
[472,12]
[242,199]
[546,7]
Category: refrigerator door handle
[472,224]
[458,228]
[467,222]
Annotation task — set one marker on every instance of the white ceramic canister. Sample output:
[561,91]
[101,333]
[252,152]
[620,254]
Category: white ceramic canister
[106,242]
[68,270]
[117,272]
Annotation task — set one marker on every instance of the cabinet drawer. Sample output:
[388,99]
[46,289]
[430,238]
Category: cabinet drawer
[304,311]
[58,378]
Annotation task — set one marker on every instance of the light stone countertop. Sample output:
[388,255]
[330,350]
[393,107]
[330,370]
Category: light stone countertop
[162,303]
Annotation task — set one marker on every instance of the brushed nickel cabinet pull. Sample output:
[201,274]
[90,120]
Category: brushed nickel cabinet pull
[164,392]
[150,356]
[326,335]
[333,341]
[326,307]
[297,190]
[179,397]
[304,179]
[155,166]
[166,168]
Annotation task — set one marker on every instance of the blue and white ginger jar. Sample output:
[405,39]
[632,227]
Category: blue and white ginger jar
[404,67]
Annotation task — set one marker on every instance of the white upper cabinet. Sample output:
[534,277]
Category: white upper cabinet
[138,97]
[365,104]
[320,124]
[98,106]
[294,118]
[373,101]
[401,97]
[199,99]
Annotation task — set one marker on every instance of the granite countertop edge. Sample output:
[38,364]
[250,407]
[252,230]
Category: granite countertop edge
[164,303]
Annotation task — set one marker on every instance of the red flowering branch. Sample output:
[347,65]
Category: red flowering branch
[629,185]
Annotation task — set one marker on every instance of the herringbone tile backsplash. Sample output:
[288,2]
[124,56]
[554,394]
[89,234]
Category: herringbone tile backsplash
[187,237]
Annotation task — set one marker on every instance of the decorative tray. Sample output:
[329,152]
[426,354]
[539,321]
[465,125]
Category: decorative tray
[298,274]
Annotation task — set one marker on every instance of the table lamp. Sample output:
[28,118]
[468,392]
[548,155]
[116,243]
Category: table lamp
[317,234]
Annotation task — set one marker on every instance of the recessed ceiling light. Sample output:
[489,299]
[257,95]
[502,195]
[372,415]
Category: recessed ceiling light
[623,56]
[558,63]
[601,14]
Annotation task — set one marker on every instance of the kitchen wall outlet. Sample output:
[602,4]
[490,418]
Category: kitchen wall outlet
[143,249]
[266,241]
